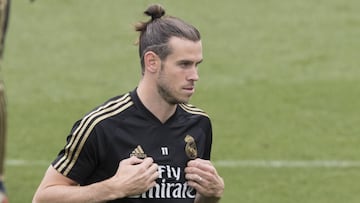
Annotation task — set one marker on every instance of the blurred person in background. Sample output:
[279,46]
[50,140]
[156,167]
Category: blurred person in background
[4,17]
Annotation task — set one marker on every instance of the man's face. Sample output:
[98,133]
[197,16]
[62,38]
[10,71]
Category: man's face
[179,71]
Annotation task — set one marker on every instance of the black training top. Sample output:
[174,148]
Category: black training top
[123,127]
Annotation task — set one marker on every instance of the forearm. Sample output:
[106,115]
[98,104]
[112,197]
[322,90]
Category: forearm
[134,176]
[94,193]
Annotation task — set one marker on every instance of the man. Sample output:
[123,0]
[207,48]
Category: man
[148,145]
[4,15]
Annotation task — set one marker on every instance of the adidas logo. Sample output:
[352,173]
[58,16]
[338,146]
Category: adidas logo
[138,152]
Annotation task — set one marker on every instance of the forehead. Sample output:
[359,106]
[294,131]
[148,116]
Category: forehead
[185,49]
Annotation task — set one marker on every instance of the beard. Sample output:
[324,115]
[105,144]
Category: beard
[167,95]
[166,91]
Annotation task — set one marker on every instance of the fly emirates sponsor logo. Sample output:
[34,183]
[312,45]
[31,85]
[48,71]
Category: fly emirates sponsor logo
[169,186]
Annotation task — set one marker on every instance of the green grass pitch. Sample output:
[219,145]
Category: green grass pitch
[280,80]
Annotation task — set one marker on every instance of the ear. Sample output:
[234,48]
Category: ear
[152,61]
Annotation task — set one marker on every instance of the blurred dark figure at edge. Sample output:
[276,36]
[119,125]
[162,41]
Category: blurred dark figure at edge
[4,17]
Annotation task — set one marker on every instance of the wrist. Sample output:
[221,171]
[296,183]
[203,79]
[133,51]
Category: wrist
[203,199]
[109,190]
[104,191]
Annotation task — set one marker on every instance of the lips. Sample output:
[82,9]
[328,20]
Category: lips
[190,90]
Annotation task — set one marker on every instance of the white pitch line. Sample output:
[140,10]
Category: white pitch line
[236,163]
[18,162]
[287,164]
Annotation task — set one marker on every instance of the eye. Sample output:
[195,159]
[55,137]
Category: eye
[197,65]
[185,64]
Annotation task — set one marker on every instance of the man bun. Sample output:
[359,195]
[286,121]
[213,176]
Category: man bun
[154,34]
[155,11]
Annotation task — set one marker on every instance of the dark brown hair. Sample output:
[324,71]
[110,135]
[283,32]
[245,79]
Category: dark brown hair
[155,33]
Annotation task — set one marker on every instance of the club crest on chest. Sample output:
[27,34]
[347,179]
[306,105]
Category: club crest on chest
[190,147]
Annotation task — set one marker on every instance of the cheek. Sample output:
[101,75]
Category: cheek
[173,76]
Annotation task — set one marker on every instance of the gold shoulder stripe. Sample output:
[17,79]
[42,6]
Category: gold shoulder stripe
[82,132]
[78,133]
[84,122]
[87,133]
[193,110]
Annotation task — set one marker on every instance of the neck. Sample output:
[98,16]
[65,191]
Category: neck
[154,102]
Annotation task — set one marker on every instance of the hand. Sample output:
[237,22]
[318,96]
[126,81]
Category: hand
[202,175]
[134,176]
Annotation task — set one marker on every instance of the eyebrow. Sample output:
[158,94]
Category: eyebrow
[189,61]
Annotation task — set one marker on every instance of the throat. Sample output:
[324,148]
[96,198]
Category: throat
[155,103]
[163,113]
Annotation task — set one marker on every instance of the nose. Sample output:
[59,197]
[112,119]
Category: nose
[193,74]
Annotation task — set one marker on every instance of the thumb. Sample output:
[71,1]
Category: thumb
[132,161]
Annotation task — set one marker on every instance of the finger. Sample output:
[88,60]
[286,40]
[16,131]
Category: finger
[133,160]
[199,162]
[196,182]
[195,178]
[153,168]
[200,166]
[150,169]
[147,162]
[214,186]
[154,175]
[130,161]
